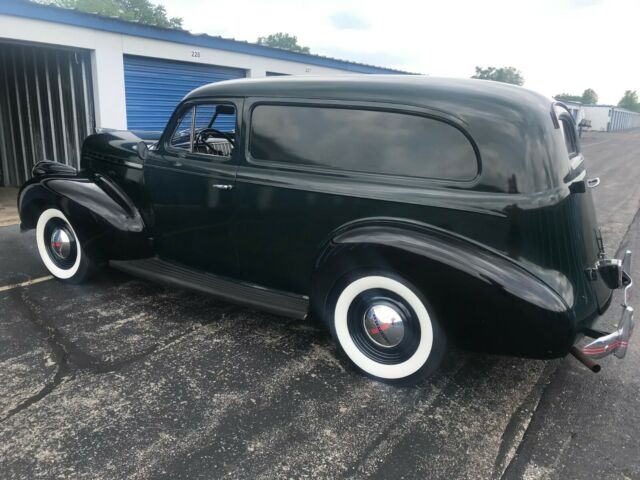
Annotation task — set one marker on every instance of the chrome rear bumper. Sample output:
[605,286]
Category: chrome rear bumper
[616,343]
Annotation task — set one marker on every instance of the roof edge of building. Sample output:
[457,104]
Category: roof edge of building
[55,14]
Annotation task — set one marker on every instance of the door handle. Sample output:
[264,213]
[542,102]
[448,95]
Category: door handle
[222,186]
[593,182]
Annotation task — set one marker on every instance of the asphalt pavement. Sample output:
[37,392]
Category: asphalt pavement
[8,207]
[122,378]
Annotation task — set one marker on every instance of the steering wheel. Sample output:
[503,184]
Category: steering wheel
[201,138]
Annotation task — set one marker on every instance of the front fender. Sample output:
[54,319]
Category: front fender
[104,218]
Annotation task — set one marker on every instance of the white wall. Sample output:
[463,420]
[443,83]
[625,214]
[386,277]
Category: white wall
[599,117]
[255,66]
[107,59]
[577,112]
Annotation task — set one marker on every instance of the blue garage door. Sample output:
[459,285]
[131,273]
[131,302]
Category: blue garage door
[154,87]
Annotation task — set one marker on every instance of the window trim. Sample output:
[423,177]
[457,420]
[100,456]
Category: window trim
[172,127]
[358,105]
[194,110]
[174,123]
[558,111]
[565,119]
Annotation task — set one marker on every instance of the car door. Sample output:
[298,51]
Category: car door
[189,179]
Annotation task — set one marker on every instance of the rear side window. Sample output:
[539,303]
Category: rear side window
[569,133]
[369,141]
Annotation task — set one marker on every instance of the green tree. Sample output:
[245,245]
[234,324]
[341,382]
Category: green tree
[504,74]
[567,97]
[589,96]
[630,101]
[142,11]
[283,41]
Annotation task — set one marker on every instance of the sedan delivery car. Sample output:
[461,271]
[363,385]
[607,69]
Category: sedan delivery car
[404,212]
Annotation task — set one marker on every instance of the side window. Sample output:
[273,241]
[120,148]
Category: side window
[207,129]
[569,134]
[371,141]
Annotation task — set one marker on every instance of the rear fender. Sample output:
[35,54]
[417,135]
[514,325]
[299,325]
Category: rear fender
[481,294]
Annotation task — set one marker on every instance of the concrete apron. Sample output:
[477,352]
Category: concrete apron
[8,206]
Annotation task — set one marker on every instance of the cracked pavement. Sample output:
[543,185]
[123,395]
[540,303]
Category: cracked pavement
[121,378]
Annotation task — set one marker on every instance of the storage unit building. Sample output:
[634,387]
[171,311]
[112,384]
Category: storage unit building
[577,112]
[46,107]
[621,119]
[608,118]
[153,87]
[64,73]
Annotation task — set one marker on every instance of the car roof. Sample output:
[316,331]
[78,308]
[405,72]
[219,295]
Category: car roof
[512,126]
[412,89]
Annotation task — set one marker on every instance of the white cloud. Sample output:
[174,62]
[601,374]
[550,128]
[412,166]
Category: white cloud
[559,45]
[348,21]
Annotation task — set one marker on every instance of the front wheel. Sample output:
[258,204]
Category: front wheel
[60,248]
[383,325]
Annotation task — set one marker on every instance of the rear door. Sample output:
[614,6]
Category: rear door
[190,180]
[591,236]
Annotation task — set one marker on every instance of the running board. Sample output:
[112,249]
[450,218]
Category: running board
[261,298]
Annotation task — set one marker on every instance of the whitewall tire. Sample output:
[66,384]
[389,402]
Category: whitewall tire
[385,328]
[60,248]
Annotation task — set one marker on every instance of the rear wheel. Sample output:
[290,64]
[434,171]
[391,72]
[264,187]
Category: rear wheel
[60,249]
[385,328]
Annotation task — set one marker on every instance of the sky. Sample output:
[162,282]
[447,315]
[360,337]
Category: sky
[558,45]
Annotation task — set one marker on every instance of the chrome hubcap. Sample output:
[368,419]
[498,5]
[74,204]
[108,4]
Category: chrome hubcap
[384,325]
[61,243]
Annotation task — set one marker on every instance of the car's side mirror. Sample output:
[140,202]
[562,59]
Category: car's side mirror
[143,151]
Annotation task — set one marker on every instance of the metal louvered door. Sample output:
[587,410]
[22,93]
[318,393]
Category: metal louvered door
[154,87]
[46,107]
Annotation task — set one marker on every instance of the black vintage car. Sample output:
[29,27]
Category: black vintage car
[403,211]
